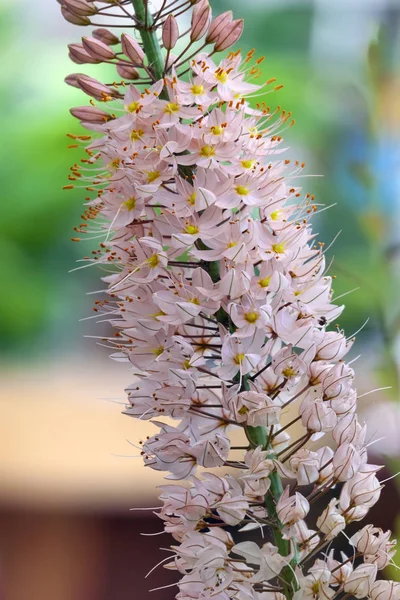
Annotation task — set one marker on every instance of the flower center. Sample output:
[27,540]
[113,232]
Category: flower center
[192,229]
[242,190]
[247,164]
[197,90]
[289,372]
[207,151]
[158,350]
[221,76]
[275,215]
[130,204]
[251,317]
[171,107]
[239,359]
[278,248]
[264,282]
[152,176]
[133,107]
[216,130]
[136,134]
[192,198]
[231,244]
[153,261]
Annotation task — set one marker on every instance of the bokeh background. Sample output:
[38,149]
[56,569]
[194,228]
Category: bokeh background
[68,471]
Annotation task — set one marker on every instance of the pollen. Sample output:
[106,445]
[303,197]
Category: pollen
[242,190]
[251,316]
[207,151]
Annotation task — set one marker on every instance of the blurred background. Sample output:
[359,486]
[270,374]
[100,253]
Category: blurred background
[68,472]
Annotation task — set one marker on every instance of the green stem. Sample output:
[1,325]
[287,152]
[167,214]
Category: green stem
[258,437]
[150,41]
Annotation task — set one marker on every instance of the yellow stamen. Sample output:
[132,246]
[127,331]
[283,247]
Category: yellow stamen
[247,164]
[216,130]
[207,151]
[239,359]
[133,107]
[153,261]
[136,134]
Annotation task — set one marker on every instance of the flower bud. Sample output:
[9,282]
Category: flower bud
[73,18]
[170,32]
[96,49]
[349,430]
[331,522]
[95,88]
[360,581]
[375,545]
[363,489]
[90,114]
[317,416]
[346,462]
[333,346]
[81,8]
[229,35]
[132,49]
[385,590]
[127,72]
[201,18]
[217,26]
[291,509]
[105,36]
[72,79]
[78,55]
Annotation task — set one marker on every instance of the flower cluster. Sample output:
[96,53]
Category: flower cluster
[220,299]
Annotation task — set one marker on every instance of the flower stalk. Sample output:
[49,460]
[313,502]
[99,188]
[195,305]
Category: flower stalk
[219,298]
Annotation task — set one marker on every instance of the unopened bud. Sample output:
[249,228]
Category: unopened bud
[97,49]
[73,18]
[95,88]
[78,55]
[132,49]
[385,590]
[229,35]
[90,114]
[81,8]
[127,72]
[170,32]
[291,509]
[217,26]
[72,79]
[201,19]
[346,462]
[105,36]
